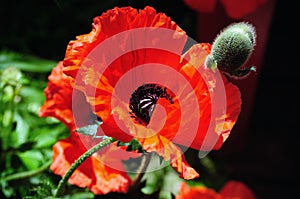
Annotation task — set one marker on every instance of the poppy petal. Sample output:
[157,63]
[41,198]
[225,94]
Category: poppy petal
[151,141]
[61,99]
[98,172]
[57,103]
[217,117]
[185,191]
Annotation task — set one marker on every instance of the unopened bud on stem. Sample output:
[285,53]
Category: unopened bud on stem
[232,48]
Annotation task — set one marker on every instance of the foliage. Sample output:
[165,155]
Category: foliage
[26,139]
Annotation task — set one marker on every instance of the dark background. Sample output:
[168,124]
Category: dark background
[267,162]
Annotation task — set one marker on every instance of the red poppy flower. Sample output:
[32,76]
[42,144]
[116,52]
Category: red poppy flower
[98,172]
[231,190]
[234,8]
[126,88]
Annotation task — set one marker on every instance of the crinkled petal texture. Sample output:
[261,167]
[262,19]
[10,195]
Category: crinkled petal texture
[127,49]
[58,97]
[231,190]
[101,173]
[234,8]
[96,172]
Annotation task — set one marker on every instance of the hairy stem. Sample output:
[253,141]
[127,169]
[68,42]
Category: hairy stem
[79,161]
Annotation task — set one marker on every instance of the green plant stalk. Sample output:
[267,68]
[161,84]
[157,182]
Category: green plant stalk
[27,174]
[144,164]
[79,161]
[7,128]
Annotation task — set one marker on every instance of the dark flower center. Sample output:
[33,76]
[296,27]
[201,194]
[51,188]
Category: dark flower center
[143,101]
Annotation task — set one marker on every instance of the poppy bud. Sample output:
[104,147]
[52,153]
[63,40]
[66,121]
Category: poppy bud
[232,48]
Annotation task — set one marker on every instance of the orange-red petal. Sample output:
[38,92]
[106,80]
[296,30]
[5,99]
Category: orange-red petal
[219,101]
[197,192]
[151,141]
[58,97]
[110,23]
[61,99]
[231,190]
[97,73]
[99,172]
[102,173]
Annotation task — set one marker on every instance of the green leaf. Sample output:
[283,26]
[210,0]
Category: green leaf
[153,179]
[22,130]
[89,129]
[195,183]
[25,62]
[168,189]
[32,95]
[6,190]
[48,136]
[133,145]
[80,195]
[31,159]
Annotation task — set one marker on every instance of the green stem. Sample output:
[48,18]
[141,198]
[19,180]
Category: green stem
[141,170]
[27,174]
[79,161]
[209,164]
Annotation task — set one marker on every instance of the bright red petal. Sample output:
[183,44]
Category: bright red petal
[86,61]
[58,93]
[199,118]
[61,99]
[112,22]
[219,103]
[101,173]
[170,152]
[197,193]
[151,141]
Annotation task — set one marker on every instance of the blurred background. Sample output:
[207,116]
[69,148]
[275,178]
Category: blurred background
[262,148]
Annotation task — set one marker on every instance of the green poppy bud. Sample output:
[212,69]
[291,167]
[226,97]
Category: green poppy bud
[232,47]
